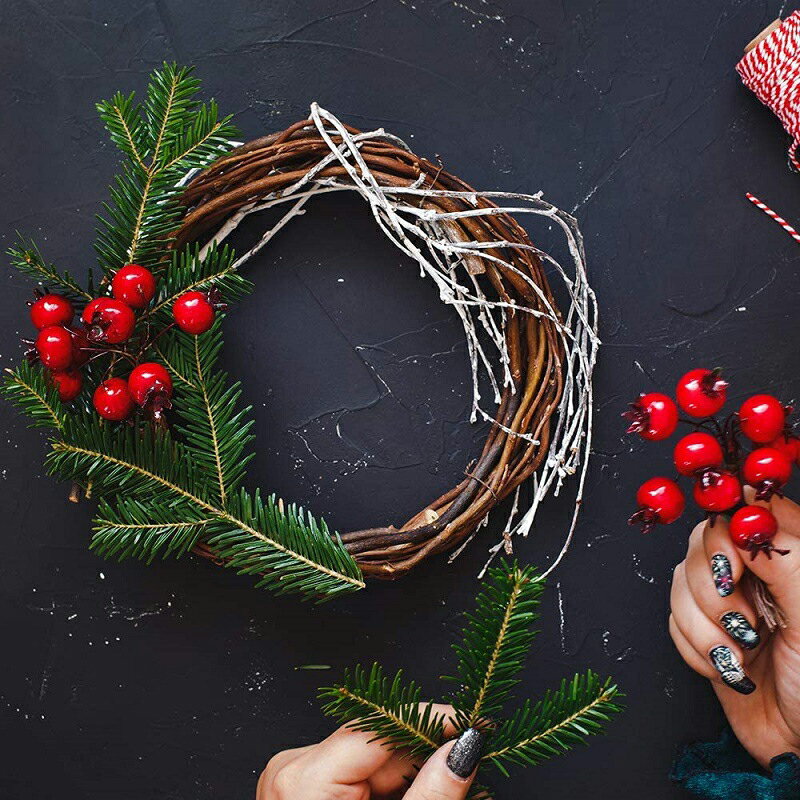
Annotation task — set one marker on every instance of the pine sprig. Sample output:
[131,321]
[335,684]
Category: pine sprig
[165,137]
[26,257]
[28,390]
[163,494]
[495,642]
[122,116]
[215,431]
[497,638]
[131,528]
[387,707]
[565,717]
[141,463]
[289,551]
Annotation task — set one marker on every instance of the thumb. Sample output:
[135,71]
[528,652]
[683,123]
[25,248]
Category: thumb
[449,772]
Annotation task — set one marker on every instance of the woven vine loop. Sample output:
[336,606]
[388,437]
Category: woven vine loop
[536,359]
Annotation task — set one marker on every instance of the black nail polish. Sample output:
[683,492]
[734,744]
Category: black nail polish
[728,666]
[466,753]
[723,577]
[740,629]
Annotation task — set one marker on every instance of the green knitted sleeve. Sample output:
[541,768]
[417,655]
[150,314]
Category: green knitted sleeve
[723,770]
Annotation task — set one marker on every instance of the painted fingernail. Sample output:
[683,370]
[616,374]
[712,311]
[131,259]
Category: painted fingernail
[728,666]
[466,753]
[723,576]
[740,629]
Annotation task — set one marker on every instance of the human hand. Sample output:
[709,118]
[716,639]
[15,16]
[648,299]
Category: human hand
[755,673]
[347,766]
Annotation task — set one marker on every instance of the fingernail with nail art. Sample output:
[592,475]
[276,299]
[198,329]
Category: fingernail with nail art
[728,666]
[740,630]
[723,576]
[466,753]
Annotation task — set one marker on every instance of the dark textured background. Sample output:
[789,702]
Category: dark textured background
[178,680]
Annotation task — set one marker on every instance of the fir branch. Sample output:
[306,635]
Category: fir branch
[393,712]
[165,495]
[183,377]
[26,257]
[291,552]
[568,716]
[123,120]
[135,529]
[498,637]
[495,642]
[163,139]
[27,389]
[215,432]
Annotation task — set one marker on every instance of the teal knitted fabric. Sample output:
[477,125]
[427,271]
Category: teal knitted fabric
[724,770]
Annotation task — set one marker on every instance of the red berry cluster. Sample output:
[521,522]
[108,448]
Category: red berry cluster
[714,457]
[108,327]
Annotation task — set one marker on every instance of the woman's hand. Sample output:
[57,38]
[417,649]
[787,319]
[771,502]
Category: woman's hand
[755,673]
[346,766]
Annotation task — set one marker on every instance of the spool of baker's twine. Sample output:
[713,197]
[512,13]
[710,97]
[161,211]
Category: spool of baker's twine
[770,68]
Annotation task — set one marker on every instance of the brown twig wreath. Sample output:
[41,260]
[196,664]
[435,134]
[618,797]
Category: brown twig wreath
[465,242]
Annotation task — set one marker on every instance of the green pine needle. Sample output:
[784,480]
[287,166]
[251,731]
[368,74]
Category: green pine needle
[165,137]
[132,528]
[388,708]
[211,425]
[25,257]
[27,389]
[494,644]
[289,551]
[568,716]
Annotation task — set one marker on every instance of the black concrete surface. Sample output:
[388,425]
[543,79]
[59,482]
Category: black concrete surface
[179,680]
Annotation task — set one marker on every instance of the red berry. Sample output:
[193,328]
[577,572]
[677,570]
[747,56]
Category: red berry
[762,418]
[193,312]
[768,470]
[701,392]
[752,528]
[653,416]
[51,309]
[68,382]
[696,452]
[788,445]
[54,345]
[113,400]
[660,500]
[109,320]
[134,285]
[717,491]
[148,380]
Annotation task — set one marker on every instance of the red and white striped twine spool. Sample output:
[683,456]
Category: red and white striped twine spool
[771,70]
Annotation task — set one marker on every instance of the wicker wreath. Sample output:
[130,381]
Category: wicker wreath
[468,245]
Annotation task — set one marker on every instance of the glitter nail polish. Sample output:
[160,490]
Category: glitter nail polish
[466,753]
